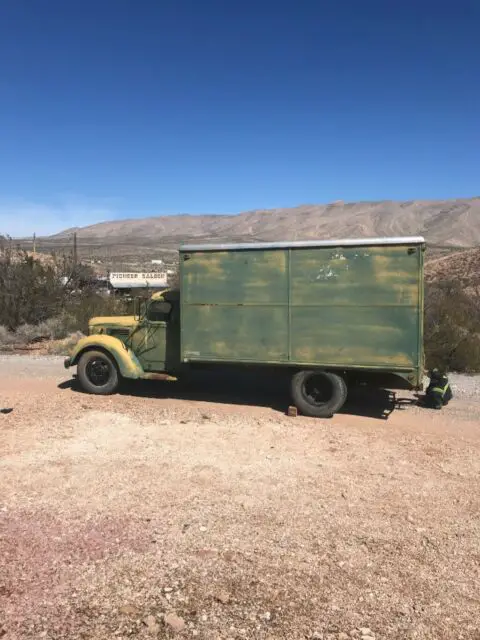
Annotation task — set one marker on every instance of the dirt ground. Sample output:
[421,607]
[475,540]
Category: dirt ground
[211,514]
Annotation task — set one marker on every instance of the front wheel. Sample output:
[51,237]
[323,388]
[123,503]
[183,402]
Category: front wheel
[318,394]
[98,373]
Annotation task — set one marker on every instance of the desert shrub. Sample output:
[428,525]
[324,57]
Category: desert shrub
[30,292]
[7,337]
[35,303]
[79,309]
[58,327]
[26,333]
[452,328]
[63,347]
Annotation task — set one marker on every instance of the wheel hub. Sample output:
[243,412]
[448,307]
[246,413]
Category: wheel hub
[98,372]
[317,390]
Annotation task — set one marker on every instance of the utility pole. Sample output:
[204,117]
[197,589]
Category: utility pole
[34,251]
[75,252]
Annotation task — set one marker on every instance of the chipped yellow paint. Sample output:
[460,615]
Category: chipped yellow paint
[127,362]
[127,322]
[159,295]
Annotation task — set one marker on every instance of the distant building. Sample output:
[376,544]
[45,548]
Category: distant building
[157,261]
[132,280]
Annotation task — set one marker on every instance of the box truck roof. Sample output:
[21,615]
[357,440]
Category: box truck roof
[303,244]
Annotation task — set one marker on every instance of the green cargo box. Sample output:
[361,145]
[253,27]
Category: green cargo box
[340,304]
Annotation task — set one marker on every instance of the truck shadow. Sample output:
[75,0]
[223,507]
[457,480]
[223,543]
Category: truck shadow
[370,402]
[253,390]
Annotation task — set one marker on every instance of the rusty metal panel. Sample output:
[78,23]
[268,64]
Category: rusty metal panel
[234,277]
[234,306]
[361,336]
[226,332]
[352,306]
[356,306]
[371,276]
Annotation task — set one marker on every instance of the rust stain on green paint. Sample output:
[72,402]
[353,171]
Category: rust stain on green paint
[345,306]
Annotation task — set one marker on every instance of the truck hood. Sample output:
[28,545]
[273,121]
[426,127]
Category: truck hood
[127,322]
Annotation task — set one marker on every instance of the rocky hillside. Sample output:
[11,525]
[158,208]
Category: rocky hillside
[462,267]
[449,223]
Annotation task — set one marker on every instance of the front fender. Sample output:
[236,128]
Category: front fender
[128,363]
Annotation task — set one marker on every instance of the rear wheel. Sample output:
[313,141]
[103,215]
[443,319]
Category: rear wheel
[318,394]
[98,373]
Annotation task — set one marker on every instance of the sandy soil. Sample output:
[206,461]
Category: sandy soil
[210,514]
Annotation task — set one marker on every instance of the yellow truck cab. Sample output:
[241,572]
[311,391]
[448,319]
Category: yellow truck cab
[141,346]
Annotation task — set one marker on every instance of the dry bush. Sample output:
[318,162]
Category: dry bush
[79,309]
[35,303]
[7,337]
[52,329]
[30,292]
[452,328]
[63,347]
[27,333]
[58,327]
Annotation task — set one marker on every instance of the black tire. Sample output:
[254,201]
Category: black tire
[318,394]
[98,373]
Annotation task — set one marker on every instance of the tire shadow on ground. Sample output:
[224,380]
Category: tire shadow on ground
[253,390]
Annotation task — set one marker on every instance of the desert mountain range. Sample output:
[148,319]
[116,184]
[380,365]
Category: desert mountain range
[444,223]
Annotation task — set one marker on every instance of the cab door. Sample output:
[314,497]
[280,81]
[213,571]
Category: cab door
[149,341]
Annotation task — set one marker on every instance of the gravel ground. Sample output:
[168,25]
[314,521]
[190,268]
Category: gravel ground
[213,515]
[466,386]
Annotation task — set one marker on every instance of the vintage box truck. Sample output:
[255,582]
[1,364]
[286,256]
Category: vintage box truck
[330,314]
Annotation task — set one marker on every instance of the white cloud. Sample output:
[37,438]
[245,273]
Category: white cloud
[21,218]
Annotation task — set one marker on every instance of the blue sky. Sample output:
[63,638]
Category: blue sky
[122,108]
